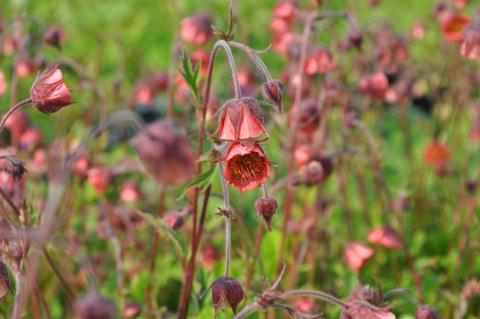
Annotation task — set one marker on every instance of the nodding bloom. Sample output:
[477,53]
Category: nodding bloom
[175,220]
[49,92]
[247,165]
[425,312]
[130,192]
[100,178]
[437,154]
[197,29]
[25,67]
[357,255]
[210,256]
[364,310]
[3,84]
[286,10]
[387,237]
[319,61]
[375,85]
[453,27]
[166,153]
[240,119]
[365,294]
[94,306]
[17,124]
[306,116]
[470,47]
[227,291]
[273,92]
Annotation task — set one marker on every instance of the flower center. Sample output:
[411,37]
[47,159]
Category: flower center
[246,167]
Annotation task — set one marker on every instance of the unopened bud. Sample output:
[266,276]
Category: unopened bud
[266,207]
[227,292]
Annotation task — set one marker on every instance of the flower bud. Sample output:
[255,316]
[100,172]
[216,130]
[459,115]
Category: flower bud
[266,207]
[5,286]
[272,92]
[227,291]
[49,93]
[54,37]
[425,312]
[174,220]
[94,306]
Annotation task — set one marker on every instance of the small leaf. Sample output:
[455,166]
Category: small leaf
[190,74]
[201,181]
[163,228]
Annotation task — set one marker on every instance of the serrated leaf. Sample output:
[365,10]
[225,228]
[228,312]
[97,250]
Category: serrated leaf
[165,230]
[201,181]
[191,74]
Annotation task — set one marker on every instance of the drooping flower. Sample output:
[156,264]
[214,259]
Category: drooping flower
[366,294]
[166,153]
[286,10]
[305,117]
[227,292]
[437,154]
[273,92]
[130,192]
[319,61]
[94,306]
[197,29]
[453,27]
[247,165]
[387,237]
[49,92]
[100,178]
[470,48]
[240,119]
[357,255]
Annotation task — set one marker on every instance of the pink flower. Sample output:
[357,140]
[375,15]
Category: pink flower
[240,119]
[130,192]
[247,165]
[364,310]
[387,237]
[320,61]
[453,27]
[100,178]
[49,93]
[437,154]
[197,29]
[470,48]
[357,255]
[375,85]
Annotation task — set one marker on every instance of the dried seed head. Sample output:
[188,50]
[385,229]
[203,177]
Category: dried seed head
[266,207]
[227,291]
[425,312]
[5,286]
[94,306]
[272,92]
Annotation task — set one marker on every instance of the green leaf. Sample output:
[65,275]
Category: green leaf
[191,74]
[165,230]
[201,181]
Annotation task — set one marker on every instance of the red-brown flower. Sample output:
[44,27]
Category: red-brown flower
[357,255]
[247,165]
[364,310]
[227,291]
[387,237]
[453,27]
[437,154]
[375,85]
[49,93]
[241,119]
[197,29]
[320,61]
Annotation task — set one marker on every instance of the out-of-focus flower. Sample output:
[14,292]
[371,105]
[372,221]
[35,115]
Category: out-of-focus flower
[10,45]
[460,4]
[366,294]
[175,220]
[49,92]
[81,166]
[25,67]
[54,36]
[306,306]
[31,138]
[197,29]
[130,192]
[3,84]
[364,310]
[437,154]
[357,255]
[470,47]
[132,310]
[94,306]
[316,171]
[387,237]
[273,92]
[418,31]
[247,165]
[266,207]
[425,312]
[166,153]
[210,256]
[306,117]
[40,161]
[17,123]
[286,10]
[240,119]
[453,27]
[100,178]
[227,292]
[374,85]
[287,44]
[319,61]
